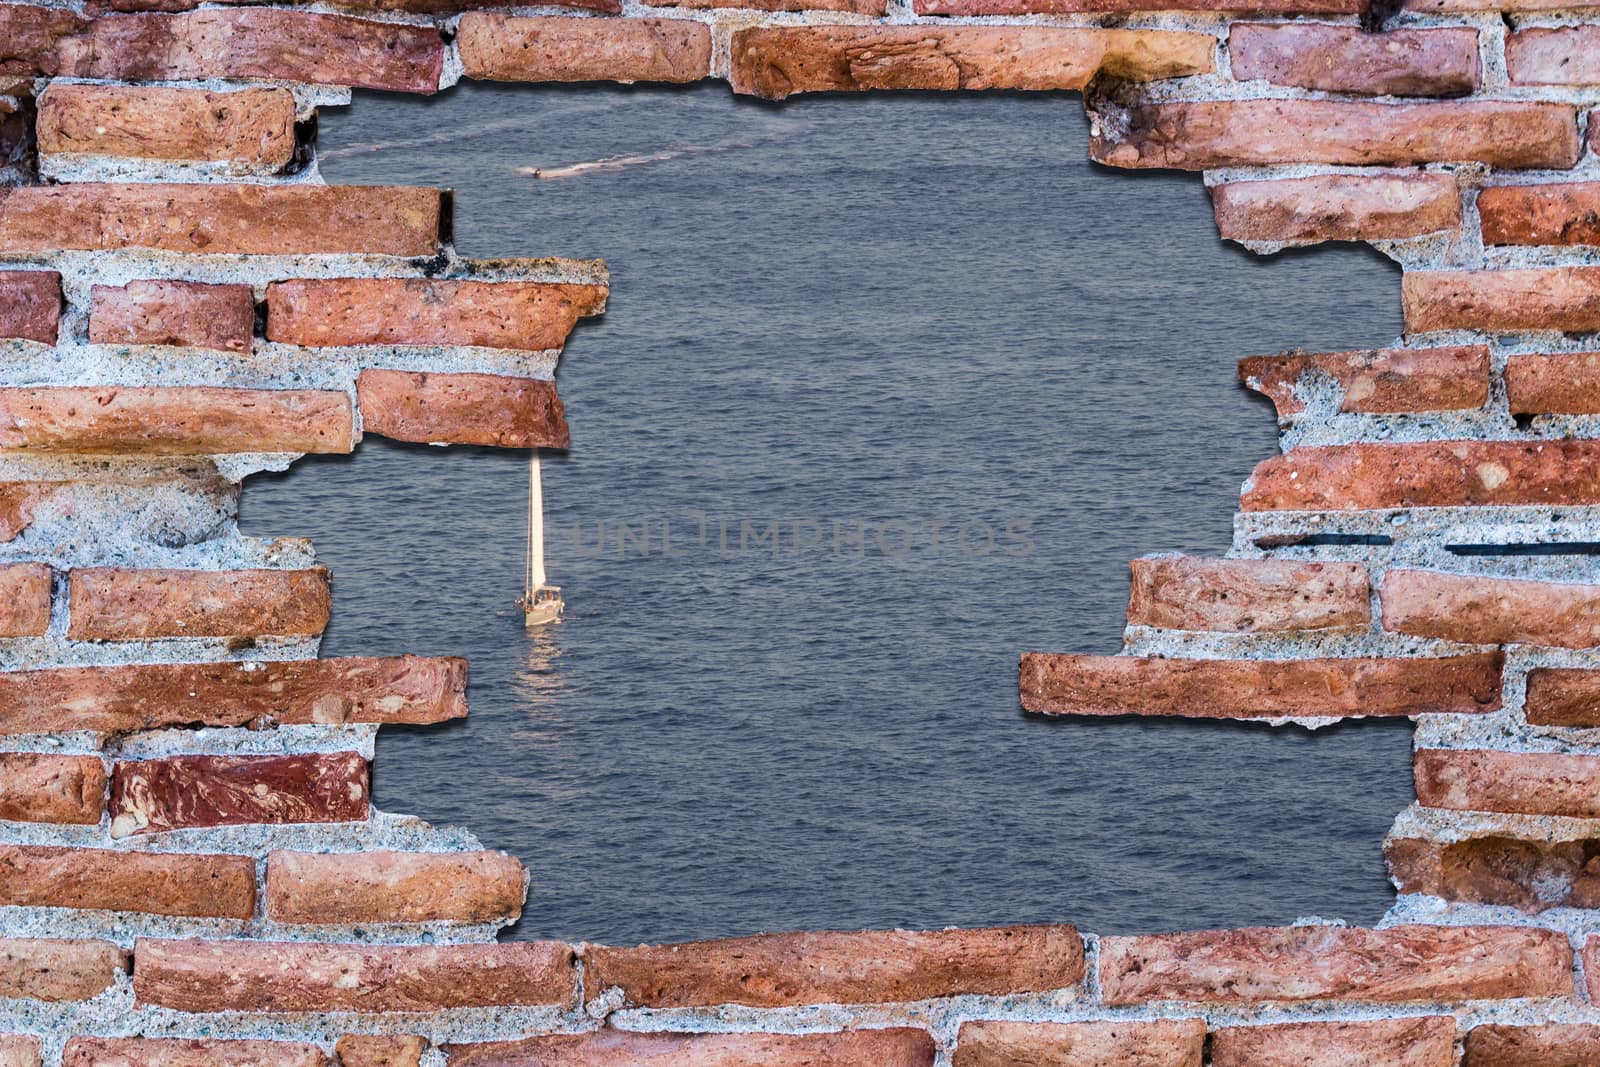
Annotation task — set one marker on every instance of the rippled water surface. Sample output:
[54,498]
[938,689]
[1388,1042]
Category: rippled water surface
[872,321]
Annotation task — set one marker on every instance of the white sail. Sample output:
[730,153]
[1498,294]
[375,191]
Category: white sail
[535,528]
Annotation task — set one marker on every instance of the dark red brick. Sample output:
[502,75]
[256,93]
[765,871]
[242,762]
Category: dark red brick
[185,792]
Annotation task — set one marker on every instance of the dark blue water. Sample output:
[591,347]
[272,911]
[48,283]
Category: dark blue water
[892,317]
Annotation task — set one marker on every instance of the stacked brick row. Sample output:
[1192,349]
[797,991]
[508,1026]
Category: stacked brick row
[191,872]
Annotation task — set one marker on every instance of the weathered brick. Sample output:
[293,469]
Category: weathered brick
[188,1052]
[248,131]
[1295,963]
[20,1050]
[41,969]
[1337,207]
[266,976]
[422,311]
[1432,474]
[1236,133]
[113,604]
[1528,875]
[168,312]
[116,880]
[257,42]
[1565,55]
[382,886]
[1490,611]
[189,420]
[24,599]
[30,305]
[1555,383]
[185,792]
[1591,968]
[402,689]
[45,787]
[616,1048]
[466,409]
[1125,1043]
[1520,783]
[380,1050]
[857,7]
[18,501]
[499,47]
[1348,59]
[1426,1041]
[29,37]
[1559,214]
[257,219]
[1550,1045]
[1563,696]
[869,966]
[1377,381]
[775,62]
[1056,684]
[1247,595]
[1072,7]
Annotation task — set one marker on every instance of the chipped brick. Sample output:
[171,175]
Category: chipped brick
[182,884]
[114,604]
[30,35]
[167,312]
[470,409]
[380,1050]
[44,787]
[773,970]
[1337,207]
[1550,1045]
[1073,7]
[1247,595]
[185,792]
[497,47]
[1563,696]
[1377,381]
[30,305]
[1531,876]
[41,969]
[1056,684]
[24,599]
[382,886]
[248,131]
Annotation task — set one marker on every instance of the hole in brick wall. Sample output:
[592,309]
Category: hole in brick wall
[887,310]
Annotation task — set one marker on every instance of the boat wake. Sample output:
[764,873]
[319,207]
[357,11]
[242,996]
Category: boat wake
[608,164]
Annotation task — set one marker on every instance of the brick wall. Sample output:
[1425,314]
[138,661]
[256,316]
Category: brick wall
[191,873]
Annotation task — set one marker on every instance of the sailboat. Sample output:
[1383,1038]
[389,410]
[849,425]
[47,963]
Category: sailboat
[541,603]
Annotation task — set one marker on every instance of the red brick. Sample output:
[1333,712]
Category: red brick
[153,883]
[1143,1043]
[186,792]
[1557,383]
[419,311]
[173,313]
[112,604]
[1519,783]
[1337,207]
[266,976]
[775,62]
[29,37]
[251,130]
[1377,381]
[1239,133]
[380,1050]
[1427,1041]
[1557,214]
[188,1052]
[190,420]
[1433,474]
[1348,59]
[402,689]
[1550,1045]
[872,966]
[1259,689]
[1591,967]
[1072,7]
[1563,55]
[857,7]
[1490,611]
[40,969]
[24,599]
[615,1048]
[382,886]
[44,787]
[257,42]
[463,409]
[20,1050]
[1562,696]
[1297,963]
[30,304]
[223,219]
[1505,301]
[18,500]
[1531,876]
[1248,595]
[498,47]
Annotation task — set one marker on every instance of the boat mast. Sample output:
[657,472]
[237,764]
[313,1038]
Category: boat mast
[535,573]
